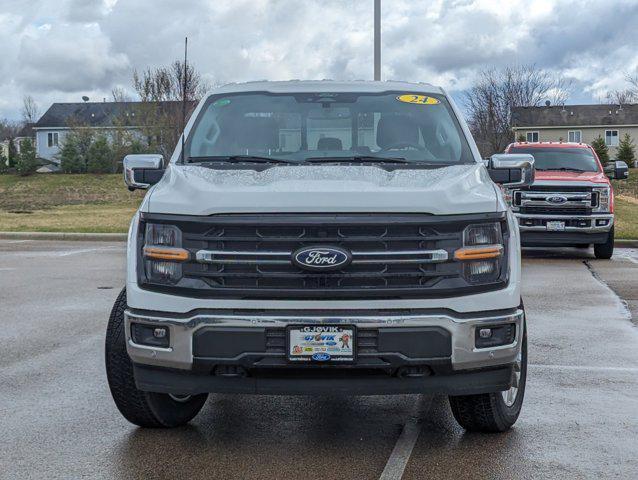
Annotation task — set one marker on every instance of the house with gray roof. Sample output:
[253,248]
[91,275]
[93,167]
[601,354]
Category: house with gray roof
[105,117]
[576,123]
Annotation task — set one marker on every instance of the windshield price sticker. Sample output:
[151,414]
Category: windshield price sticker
[321,343]
[418,99]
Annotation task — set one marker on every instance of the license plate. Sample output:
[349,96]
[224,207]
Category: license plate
[554,226]
[321,343]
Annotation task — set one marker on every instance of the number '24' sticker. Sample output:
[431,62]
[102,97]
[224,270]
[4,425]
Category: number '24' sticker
[418,99]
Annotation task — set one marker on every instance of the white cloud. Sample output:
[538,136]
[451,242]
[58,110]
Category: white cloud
[57,50]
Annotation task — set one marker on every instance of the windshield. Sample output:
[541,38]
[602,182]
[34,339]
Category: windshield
[328,127]
[574,159]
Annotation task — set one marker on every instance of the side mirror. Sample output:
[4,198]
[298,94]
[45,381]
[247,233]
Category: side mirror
[617,170]
[512,170]
[142,170]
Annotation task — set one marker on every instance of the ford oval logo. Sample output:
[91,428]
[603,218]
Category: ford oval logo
[321,357]
[321,258]
[556,199]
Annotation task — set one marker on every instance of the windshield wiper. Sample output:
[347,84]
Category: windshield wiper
[237,159]
[561,169]
[357,159]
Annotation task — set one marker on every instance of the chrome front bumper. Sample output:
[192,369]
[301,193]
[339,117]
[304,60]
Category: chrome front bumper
[179,354]
[591,228]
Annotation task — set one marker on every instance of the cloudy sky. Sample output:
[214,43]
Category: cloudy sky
[59,50]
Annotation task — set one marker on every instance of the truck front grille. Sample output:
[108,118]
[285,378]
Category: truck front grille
[555,200]
[246,256]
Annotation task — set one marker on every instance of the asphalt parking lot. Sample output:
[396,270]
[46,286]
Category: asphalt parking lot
[579,419]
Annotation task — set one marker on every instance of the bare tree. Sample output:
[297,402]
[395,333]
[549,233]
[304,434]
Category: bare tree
[620,97]
[161,91]
[120,95]
[8,129]
[491,100]
[633,85]
[29,110]
[167,83]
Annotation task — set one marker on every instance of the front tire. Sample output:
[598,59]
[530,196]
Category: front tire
[605,250]
[493,412]
[145,409]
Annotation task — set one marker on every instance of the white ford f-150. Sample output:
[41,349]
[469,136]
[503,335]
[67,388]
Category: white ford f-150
[322,238]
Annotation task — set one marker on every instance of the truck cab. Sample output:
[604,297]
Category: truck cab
[571,202]
[322,238]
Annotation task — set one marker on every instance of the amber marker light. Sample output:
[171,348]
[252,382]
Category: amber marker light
[478,253]
[166,253]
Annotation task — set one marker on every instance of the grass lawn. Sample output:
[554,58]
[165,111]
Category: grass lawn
[66,203]
[102,204]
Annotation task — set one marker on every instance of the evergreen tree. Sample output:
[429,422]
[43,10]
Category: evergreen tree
[3,164]
[13,154]
[520,138]
[70,159]
[27,162]
[601,149]
[100,157]
[626,150]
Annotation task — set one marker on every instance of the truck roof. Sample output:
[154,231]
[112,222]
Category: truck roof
[312,86]
[548,144]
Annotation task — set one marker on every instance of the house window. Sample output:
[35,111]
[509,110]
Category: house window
[52,139]
[532,137]
[574,136]
[611,138]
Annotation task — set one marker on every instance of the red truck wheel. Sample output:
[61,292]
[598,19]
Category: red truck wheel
[605,250]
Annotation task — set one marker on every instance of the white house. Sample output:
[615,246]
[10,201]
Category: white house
[60,118]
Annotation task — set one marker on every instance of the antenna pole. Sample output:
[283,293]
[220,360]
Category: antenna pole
[184,75]
[377,39]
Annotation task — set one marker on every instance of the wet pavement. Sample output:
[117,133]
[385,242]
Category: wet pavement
[579,418]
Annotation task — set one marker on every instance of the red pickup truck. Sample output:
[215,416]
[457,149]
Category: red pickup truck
[571,202]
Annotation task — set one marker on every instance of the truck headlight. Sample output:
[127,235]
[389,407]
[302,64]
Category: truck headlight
[604,199]
[163,253]
[482,252]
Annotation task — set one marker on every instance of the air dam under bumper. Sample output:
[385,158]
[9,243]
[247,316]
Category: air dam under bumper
[411,353]
[579,229]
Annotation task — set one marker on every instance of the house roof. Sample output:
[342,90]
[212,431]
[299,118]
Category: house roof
[102,114]
[575,115]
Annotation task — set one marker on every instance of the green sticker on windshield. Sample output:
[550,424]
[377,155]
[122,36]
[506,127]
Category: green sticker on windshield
[221,103]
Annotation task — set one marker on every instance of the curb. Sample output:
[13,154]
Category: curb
[629,243]
[92,237]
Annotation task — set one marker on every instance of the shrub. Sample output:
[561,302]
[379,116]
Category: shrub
[521,138]
[100,156]
[626,150]
[601,149]
[27,162]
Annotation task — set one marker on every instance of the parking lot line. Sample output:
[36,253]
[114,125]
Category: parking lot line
[402,450]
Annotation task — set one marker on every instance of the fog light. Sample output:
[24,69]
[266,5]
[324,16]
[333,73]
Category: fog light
[495,335]
[150,335]
[602,222]
[485,332]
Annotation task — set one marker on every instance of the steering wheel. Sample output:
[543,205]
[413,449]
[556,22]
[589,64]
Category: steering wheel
[399,145]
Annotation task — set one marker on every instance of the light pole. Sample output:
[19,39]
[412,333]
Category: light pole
[377,39]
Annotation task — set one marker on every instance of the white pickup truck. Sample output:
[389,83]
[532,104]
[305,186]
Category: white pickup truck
[322,238]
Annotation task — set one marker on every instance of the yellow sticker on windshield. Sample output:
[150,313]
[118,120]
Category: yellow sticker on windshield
[418,99]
